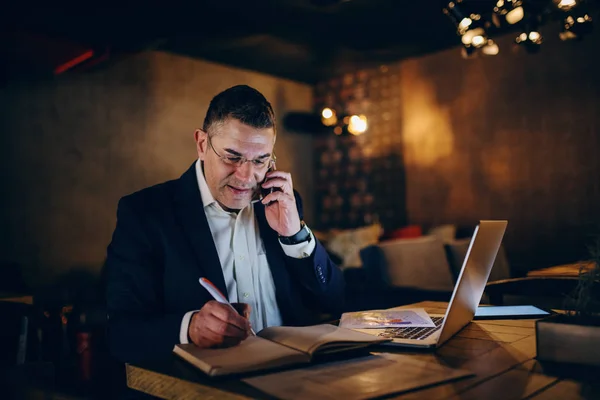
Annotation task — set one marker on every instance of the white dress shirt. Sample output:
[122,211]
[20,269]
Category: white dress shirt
[243,260]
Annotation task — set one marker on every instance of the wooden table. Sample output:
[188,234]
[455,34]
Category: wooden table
[13,298]
[500,354]
[564,270]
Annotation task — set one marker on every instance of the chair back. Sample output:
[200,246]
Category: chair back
[457,250]
[418,263]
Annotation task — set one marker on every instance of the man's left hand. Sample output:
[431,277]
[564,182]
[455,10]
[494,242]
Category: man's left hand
[280,206]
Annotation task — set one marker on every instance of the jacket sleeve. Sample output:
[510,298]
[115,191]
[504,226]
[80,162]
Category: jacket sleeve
[138,327]
[320,277]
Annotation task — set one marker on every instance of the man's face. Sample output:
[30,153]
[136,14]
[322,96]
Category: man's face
[234,186]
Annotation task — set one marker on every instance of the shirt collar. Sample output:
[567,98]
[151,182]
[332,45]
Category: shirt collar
[207,197]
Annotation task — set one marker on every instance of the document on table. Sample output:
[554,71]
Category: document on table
[378,319]
[356,379]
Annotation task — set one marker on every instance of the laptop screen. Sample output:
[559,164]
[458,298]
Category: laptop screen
[473,277]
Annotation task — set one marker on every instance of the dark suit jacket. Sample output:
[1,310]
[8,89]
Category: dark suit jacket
[160,247]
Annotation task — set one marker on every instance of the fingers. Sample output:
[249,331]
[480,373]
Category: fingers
[279,179]
[280,183]
[228,315]
[243,309]
[207,338]
[218,325]
[280,197]
[279,174]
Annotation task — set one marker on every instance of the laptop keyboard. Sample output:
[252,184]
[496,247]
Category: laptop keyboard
[413,333]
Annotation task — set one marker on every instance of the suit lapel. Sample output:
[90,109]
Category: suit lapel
[192,218]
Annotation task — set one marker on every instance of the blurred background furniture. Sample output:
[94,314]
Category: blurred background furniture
[403,267]
[552,287]
[457,250]
[418,263]
[53,341]
[563,270]
[411,267]
[544,292]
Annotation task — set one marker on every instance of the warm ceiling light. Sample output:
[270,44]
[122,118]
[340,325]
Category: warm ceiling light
[478,41]
[566,4]
[491,48]
[514,16]
[534,36]
[328,117]
[357,124]
[465,23]
[531,39]
[510,11]
[471,28]
[576,28]
[468,37]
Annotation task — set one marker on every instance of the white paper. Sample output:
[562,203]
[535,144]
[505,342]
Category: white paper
[377,319]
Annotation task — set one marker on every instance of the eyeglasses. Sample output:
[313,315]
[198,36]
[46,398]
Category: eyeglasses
[238,161]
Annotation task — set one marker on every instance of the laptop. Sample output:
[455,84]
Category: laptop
[465,298]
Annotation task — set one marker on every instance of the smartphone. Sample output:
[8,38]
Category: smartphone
[266,191]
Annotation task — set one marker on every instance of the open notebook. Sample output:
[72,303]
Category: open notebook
[275,347]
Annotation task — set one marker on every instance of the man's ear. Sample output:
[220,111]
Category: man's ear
[201,139]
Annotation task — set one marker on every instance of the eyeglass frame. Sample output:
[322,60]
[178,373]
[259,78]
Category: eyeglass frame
[243,160]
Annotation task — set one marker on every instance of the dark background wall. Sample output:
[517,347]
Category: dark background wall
[514,136]
[72,146]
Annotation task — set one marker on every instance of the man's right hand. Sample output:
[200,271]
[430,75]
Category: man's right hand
[218,325]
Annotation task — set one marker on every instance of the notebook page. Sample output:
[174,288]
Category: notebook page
[309,339]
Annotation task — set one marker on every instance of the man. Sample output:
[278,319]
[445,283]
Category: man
[211,223]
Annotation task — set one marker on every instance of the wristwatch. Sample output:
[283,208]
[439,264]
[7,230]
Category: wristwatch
[302,236]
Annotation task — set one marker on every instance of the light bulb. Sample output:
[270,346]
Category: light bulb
[491,48]
[465,23]
[534,36]
[514,16]
[567,4]
[478,41]
[328,117]
[469,35]
[357,124]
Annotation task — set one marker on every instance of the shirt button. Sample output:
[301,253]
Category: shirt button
[246,295]
[241,257]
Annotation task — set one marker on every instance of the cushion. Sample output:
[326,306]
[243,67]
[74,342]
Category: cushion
[418,263]
[457,250]
[348,243]
[406,232]
[446,233]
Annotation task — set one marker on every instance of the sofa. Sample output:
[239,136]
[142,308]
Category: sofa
[405,270]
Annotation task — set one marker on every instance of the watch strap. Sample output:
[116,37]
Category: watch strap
[301,236]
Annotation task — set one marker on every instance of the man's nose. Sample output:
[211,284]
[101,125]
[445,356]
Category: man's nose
[244,172]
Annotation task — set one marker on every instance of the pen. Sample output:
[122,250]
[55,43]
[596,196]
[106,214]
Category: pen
[217,295]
